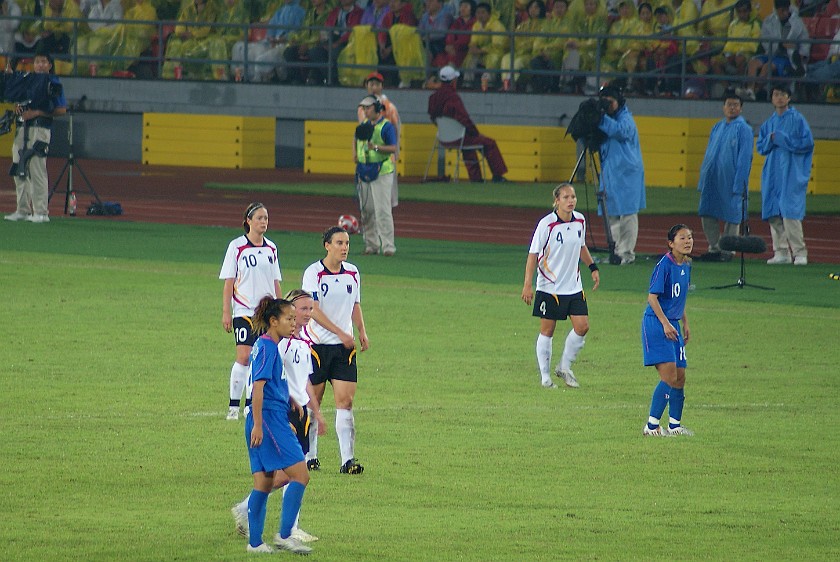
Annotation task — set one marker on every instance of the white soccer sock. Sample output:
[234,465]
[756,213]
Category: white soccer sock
[313,438]
[544,356]
[345,430]
[238,378]
[574,343]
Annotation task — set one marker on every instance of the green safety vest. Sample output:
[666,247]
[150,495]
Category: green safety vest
[371,156]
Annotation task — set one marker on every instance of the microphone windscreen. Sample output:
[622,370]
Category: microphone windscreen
[746,244]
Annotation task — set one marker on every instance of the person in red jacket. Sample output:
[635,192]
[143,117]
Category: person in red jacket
[446,102]
[341,20]
[458,44]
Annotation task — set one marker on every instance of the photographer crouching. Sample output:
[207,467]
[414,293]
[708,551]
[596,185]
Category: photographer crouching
[29,151]
[622,173]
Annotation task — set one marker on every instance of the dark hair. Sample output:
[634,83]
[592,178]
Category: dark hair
[484,5]
[471,3]
[649,7]
[743,4]
[268,308]
[332,231]
[249,212]
[661,10]
[782,87]
[730,94]
[672,233]
[296,294]
[566,2]
[781,4]
[539,4]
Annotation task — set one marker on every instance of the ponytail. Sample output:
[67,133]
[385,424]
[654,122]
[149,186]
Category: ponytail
[268,308]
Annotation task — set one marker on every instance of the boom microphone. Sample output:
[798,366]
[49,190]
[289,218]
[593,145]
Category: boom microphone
[745,244]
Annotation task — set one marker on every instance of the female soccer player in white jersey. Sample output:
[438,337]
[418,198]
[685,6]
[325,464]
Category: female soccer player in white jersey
[558,244]
[663,343]
[297,366]
[335,285]
[272,446]
[251,271]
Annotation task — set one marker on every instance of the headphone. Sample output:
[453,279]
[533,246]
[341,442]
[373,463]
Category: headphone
[377,103]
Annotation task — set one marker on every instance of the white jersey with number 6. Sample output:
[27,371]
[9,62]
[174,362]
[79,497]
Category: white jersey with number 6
[336,294]
[254,269]
[297,366]
[557,245]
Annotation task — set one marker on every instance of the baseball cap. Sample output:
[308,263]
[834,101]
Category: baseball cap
[368,100]
[448,73]
[374,76]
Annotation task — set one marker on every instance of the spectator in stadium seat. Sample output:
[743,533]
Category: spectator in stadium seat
[265,56]
[446,102]
[622,174]
[236,14]
[485,50]
[622,53]
[190,41]
[433,25]
[733,60]
[400,45]
[786,141]
[724,175]
[581,52]
[458,44]
[786,49]
[9,26]
[549,50]
[56,35]
[523,45]
[827,72]
[341,20]
[96,42]
[302,41]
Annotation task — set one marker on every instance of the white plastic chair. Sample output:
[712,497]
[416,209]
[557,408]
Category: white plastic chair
[450,136]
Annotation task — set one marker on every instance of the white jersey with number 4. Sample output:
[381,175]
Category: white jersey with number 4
[557,245]
[336,294]
[254,269]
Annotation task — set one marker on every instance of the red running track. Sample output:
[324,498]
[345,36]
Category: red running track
[177,195]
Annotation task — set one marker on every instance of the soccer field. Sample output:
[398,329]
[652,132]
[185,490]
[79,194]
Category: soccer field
[115,446]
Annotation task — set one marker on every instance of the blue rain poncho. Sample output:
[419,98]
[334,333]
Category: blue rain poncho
[725,171]
[784,178]
[622,171]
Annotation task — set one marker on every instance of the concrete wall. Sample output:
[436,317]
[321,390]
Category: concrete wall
[108,123]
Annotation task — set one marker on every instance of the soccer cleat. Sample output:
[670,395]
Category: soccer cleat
[16,217]
[680,430]
[241,520]
[655,432]
[303,536]
[351,467]
[568,377]
[233,413]
[262,549]
[313,464]
[800,260]
[780,259]
[549,384]
[291,544]
[38,218]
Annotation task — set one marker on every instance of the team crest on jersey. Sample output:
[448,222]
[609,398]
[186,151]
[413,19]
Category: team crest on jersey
[349,289]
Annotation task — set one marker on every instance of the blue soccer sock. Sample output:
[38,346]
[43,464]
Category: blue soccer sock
[292,499]
[676,407]
[256,517]
[657,403]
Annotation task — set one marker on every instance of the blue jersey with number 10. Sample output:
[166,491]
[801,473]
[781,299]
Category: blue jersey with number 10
[670,282]
[267,364]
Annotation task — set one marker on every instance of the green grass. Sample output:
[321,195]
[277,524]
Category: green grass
[660,200]
[115,448]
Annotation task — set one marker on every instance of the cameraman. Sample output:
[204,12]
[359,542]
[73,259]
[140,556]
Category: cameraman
[34,125]
[622,174]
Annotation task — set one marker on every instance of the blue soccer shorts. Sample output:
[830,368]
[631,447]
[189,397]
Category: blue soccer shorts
[659,349]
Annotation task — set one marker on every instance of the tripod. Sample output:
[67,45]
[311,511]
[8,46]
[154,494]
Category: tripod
[744,244]
[601,197]
[68,168]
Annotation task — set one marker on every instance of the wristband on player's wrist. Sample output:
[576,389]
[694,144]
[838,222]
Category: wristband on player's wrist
[593,267]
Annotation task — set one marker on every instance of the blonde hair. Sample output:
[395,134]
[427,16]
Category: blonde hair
[558,189]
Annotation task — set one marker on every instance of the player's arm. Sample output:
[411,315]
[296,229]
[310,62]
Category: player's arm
[528,288]
[278,292]
[256,413]
[586,258]
[685,327]
[227,297]
[359,322]
[670,331]
[316,408]
[321,318]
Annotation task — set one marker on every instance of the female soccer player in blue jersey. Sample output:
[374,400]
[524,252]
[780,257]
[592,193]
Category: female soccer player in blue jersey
[251,271]
[272,444]
[663,343]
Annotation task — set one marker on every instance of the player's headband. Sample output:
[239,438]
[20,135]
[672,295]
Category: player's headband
[253,208]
